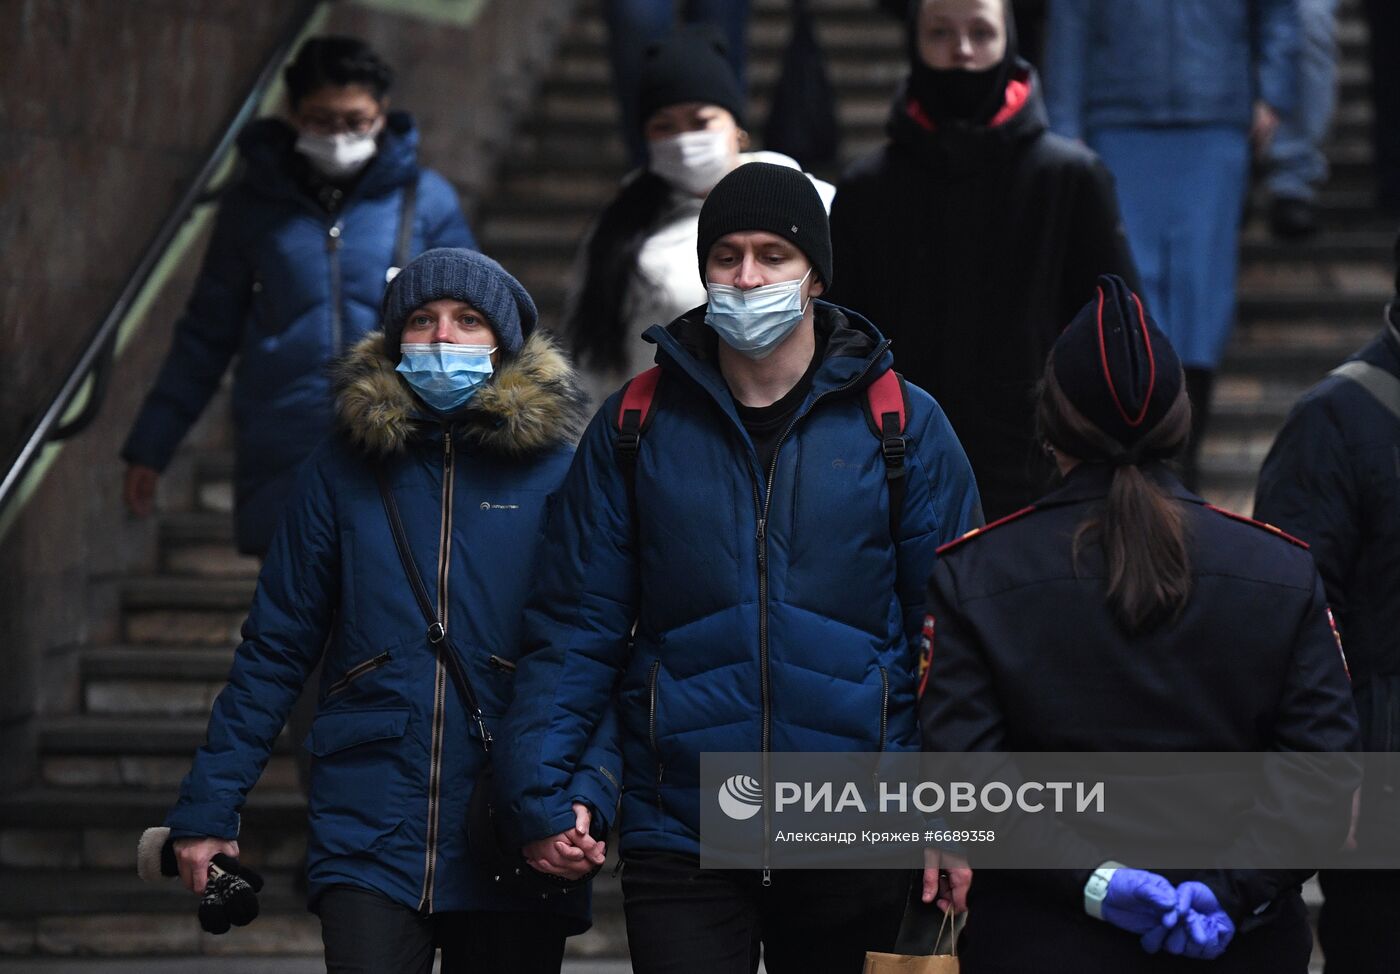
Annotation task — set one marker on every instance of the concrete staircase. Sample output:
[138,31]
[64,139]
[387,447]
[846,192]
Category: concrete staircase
[1304,307]
[140,696]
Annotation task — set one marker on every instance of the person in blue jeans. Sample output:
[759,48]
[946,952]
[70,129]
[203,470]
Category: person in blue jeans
[633,24]
[1297,164]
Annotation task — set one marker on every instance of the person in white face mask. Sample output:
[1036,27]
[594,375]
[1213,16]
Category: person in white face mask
[293,276]
[635,266]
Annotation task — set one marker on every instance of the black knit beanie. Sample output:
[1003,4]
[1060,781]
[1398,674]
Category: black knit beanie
[463,275]
[1117,368]
[780,200]
[689,65]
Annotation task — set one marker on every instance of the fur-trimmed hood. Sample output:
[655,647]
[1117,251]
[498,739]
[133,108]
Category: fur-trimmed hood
[533,403]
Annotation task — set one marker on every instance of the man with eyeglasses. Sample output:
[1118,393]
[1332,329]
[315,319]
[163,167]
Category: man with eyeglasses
[328,201]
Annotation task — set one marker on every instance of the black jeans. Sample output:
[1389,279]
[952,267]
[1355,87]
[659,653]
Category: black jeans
[368,933]
[682,919]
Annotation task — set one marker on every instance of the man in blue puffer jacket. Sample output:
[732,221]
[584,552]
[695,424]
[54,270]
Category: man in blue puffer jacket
[293,277]
[773,608]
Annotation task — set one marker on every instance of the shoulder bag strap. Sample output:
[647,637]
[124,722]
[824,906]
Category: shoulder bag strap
[1383,387]
[436,633]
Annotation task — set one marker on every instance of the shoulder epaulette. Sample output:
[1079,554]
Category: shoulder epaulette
[1013,516]
[1263,525]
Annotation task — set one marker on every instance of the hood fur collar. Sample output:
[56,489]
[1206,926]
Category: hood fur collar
[533,402]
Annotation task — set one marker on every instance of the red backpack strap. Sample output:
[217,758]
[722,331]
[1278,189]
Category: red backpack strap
[888,414]
[635,411]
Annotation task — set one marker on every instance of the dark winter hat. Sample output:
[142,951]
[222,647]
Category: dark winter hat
[689,65]
[1116,366]
[464,275]
[778,199]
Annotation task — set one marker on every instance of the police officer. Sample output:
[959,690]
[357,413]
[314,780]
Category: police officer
[1333,478]
[1159,585]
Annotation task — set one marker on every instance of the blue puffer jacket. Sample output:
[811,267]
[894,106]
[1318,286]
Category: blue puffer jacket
[790,630]
[287,287]
[1129,63]
[383,815]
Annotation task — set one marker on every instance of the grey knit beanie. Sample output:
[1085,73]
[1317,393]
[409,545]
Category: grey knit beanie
[463,275]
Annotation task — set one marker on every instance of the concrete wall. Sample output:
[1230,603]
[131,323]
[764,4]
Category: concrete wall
[106,108]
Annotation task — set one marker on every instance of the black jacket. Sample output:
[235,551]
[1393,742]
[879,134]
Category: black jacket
[1026,657]
[1333,479]
[971,248]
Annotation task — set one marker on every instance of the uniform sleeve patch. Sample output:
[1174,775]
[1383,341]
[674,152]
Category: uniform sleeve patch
[925,651]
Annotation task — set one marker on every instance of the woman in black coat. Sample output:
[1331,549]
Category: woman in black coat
[974,234]
[1123,614]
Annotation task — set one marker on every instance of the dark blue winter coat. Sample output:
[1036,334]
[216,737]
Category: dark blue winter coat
[286,287]
[773,609]
[1333,479]
[383,815]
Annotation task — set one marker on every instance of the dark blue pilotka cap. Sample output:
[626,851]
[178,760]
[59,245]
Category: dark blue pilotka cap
[1116,366]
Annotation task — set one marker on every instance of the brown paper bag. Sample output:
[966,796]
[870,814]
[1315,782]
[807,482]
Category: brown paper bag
[881,963]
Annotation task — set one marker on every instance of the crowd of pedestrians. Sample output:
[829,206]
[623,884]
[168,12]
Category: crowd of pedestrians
[520,583]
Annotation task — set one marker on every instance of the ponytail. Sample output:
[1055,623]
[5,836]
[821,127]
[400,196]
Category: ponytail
[1140,527]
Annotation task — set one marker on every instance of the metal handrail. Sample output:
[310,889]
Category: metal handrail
[95,361]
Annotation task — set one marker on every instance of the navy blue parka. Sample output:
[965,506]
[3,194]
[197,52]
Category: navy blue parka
[395,756]
[285,288]
[772,608]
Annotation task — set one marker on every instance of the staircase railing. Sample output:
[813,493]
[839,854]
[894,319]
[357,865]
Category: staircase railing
[79,399]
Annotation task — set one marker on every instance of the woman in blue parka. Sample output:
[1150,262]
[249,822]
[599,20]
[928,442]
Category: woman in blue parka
[1171,95]
[293,277]
[469,414]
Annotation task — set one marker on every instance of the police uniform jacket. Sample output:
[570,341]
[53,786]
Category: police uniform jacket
[1026,656]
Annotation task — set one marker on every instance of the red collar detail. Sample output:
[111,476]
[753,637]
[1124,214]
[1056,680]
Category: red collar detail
[1018,92]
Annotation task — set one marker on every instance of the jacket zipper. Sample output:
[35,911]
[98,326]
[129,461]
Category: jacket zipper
[425,902]
[652,680]
[357,671]
[499,663]
[333,245]
[763,506]
[884,706]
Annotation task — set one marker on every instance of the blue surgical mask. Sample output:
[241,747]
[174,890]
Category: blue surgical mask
[754,322]
[444,375]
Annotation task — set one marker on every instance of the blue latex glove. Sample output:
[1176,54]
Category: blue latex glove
[1196,928]
[1137,901]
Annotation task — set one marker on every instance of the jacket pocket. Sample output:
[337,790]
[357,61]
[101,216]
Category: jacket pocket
[343,729]
[360,783]
[357,671]
[653,679]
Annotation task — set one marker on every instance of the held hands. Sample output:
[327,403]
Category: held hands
[1197,928]
[1186,920]
[1138,901]
[572,854]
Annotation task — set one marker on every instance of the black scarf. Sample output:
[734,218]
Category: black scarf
[956,94]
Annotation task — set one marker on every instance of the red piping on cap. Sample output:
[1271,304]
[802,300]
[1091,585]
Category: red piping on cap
[1151,364]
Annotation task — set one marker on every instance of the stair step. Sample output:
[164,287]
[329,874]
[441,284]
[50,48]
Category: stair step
[117,914]
[92,734]
[56,808]
[201,543]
